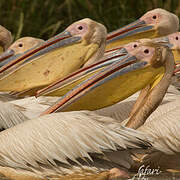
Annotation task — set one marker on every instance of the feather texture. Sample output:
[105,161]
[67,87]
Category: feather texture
[10,115]
[165,127]
[70,139]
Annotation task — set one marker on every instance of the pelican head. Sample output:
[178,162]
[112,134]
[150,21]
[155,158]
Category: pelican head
[143,65]
[92,33]
[154,23]
[25,43]
[81,42]
[174,43]
[5,38]
[163,21]
[174,40]
[19,47]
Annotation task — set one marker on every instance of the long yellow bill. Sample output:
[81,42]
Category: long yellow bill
[62,86]
[114,83]
[54,58]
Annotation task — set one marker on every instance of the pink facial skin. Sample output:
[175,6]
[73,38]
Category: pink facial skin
[134,45]
[79,28]
[144,53]
[152,18]
[163,21]
[131,46]
[175,40]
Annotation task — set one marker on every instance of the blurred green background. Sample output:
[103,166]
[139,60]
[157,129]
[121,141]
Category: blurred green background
[45,18]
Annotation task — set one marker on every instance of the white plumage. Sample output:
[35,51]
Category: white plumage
[163,125]
[63,141]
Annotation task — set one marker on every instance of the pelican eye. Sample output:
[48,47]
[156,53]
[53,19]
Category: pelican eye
[146,51]
[135,45]
[154,17]
[177,38]
[20,45]
[80,28]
